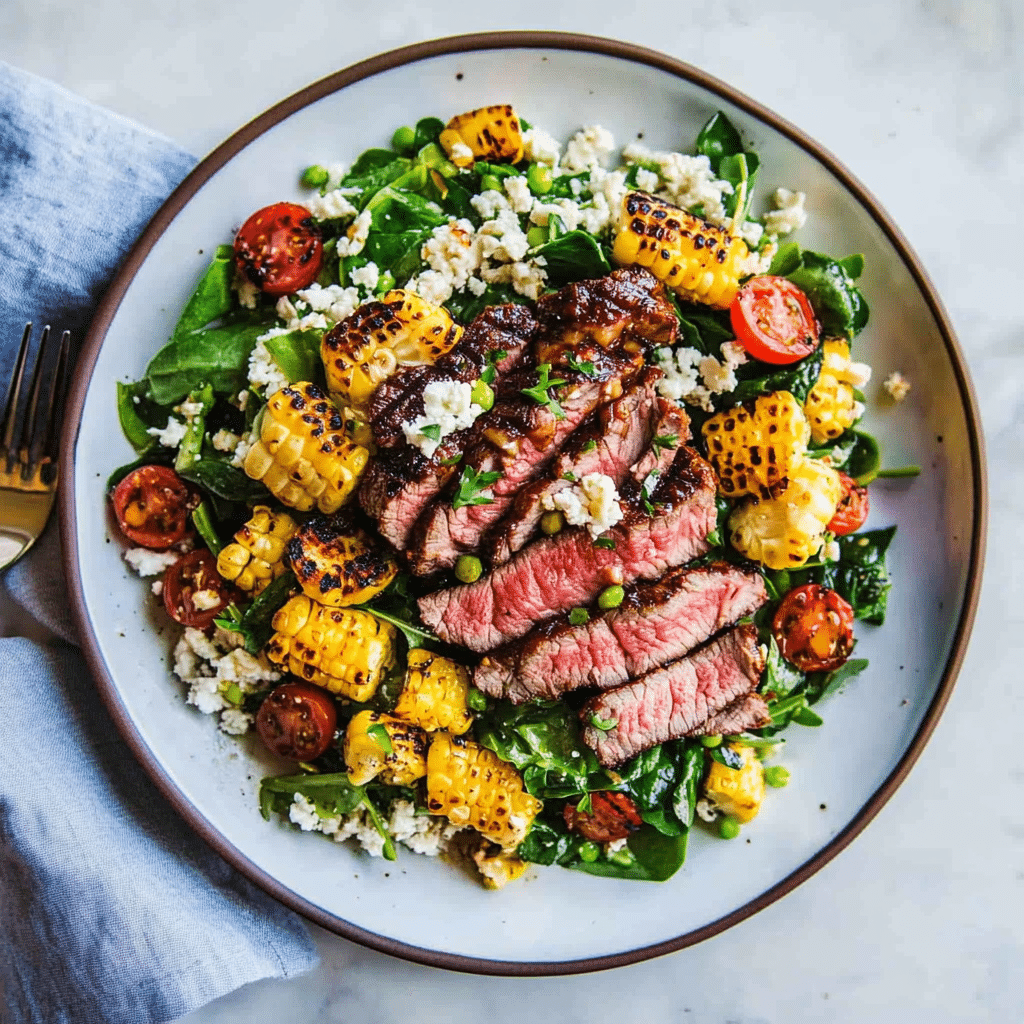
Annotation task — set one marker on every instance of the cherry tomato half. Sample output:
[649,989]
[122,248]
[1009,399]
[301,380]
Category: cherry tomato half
[852,509]
[152,505]
[612,816]
[279,248]
[813,627]
[194,592]
[297,721]
[773,320]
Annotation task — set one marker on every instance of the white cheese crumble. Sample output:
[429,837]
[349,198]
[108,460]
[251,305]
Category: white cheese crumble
[565,209]
[897,385]
[248,292]
[447,406]
[540,147]
[830,550]
[224,440]
[590,146]
[461,155]
[150,563]
[592,502]
[680,376]
[263,370]
[527,278]
[687,181]
[693,377]
[331,205]
[519,195]
[706,810]
[647,180]
[242,449]
[355,237]
[171,435]
[367,277]
[204,600]
[453,255]
[757,262]
[788,213]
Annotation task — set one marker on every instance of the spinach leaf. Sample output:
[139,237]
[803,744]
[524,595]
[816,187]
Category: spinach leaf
[374,160]
[656,857]
[684,797]
[212,298]
[254,622]
[464,306]
[549,842]
[824,684]
[786,260]
[717,139]
[574,256]
[331,794]
[428,129]
[297,355]
[797,378]
[397,251]
[137,414]
[837,301]
[864,459]
[781,678]
[395,210]
[219,477]
[861,575]
[373,178]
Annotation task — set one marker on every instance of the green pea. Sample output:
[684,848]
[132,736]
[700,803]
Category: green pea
[315,176]
[385,282]
[476,699]
[711,741]
[468,569]
[536,236]
[404,139]
[489,183]
[729,827]
[482,395]
[589,852]
[539,178]
[776,776]
[551,523]
[622,857]
[578,616]
[610,597]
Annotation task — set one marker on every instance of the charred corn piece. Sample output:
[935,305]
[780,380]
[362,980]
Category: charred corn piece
[489,133]
[380,745]
[497,868]
[784,532]
[737,791]
[345,651]
[831,406]
[434,695]
[755,446]
[699,261]
[339,564]
[305,455]
[471,785]
[257,554]
[399,330]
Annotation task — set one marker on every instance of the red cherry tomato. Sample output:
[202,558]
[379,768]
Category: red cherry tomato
[279,248]
[852,509]
[297,721]
[813,627]
[152,505]
[194,592]
[773,320]
[612,816]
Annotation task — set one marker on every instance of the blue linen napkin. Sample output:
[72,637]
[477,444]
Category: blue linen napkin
[111,909]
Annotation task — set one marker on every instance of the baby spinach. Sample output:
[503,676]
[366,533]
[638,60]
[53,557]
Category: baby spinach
[465,306]
[428,129]
[297,355]
[861,575]
[720,142]
[574,256]
[662,778]
[797,378]
[137,414]
[331,794]
[225,481]
[254,623]
[212,298]
[829,284]
[656,857]
[718,139]
[394,210]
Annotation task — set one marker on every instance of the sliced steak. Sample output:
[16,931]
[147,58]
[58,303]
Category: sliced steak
[674,700]
[517,439]
[657,532]
[749,712]
[655,624]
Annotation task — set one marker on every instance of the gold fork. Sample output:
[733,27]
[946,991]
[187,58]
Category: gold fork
[28,465]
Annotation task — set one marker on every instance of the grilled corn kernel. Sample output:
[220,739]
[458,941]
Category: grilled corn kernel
[754,447]
[497,868]
[737,791]
[339,564]
[305,456]
[831,406]
[699,261]
[489,133]
[784,532]
[381,745]
[471,785]
[345,651]
[401,329]
[435,692]
[257,554]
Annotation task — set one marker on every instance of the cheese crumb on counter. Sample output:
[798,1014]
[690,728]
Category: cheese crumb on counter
[897,385]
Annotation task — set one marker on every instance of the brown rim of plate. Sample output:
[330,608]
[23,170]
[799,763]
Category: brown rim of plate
[108,308]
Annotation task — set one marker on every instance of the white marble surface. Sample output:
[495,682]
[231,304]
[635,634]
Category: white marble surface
[920,920]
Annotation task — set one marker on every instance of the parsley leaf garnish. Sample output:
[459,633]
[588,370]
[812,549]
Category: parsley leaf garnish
[539,392]
[574,364]
[577,616]
[666,441]
[605,542]
[431,430]
[471,484]
[380,734]
[590,446]
[494,356]
[604,724]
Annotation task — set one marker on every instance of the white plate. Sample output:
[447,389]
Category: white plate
[555,920]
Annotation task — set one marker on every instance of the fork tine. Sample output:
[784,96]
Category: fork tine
[13,394]
[55,405]
[29,424]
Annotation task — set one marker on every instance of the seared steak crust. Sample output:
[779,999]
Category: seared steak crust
[675,700]
[655,624]
[659,531]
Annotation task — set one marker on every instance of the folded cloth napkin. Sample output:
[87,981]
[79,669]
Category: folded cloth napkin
[111,909]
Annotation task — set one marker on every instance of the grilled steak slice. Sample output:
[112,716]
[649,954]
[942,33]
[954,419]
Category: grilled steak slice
[626,307]
[749,712]
[657,532]
[674,700]
[508,329]
[655,624]
[611,443]
[517,439]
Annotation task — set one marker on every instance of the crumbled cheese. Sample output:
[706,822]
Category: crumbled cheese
[608,189]
[592,502]
[757,262]
[242,449]
[788,214]
[204,600]
[224,440]
[540,147]
[303,813]
[243,400]
[332,205]
[502,239]
[489,204]
[615,845]
[720,377]
[367,277]
[565,209]
[590,146]
[706,811]
[461,155]
[263,371]
[897,385]
[858,374]
[447,405]
[527,278]
[476,286]
[680,376]
[830,550]
[519,194]
[356,236]
[432,286]
[171,435]
[647,180]
[150,563]
[692,377]
[157,586]
[335,302]
[687,181]
[248,292]
[235,722]
[453,254]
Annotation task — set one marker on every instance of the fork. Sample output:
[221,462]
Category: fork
[28,466]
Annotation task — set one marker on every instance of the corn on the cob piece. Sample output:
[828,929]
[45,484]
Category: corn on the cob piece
[737,791]
[755,446]
[471,785]
[257,554]
[489,133]
[345,651]
[368,738]
[399,330]
[339,564]
[831,406]
[434,695]
[699,261]
[784,532]
[497,868]
[304,455]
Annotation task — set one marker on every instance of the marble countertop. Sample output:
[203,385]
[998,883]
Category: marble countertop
[921,918]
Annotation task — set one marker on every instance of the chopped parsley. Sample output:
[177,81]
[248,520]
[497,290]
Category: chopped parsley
[666,441]
[590,446]
[380,734]
[571,477]
[471,487]
[605,542]
[431,430]
[604,724]
[578,616]
[494,356]
[586,368]
[539,392]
